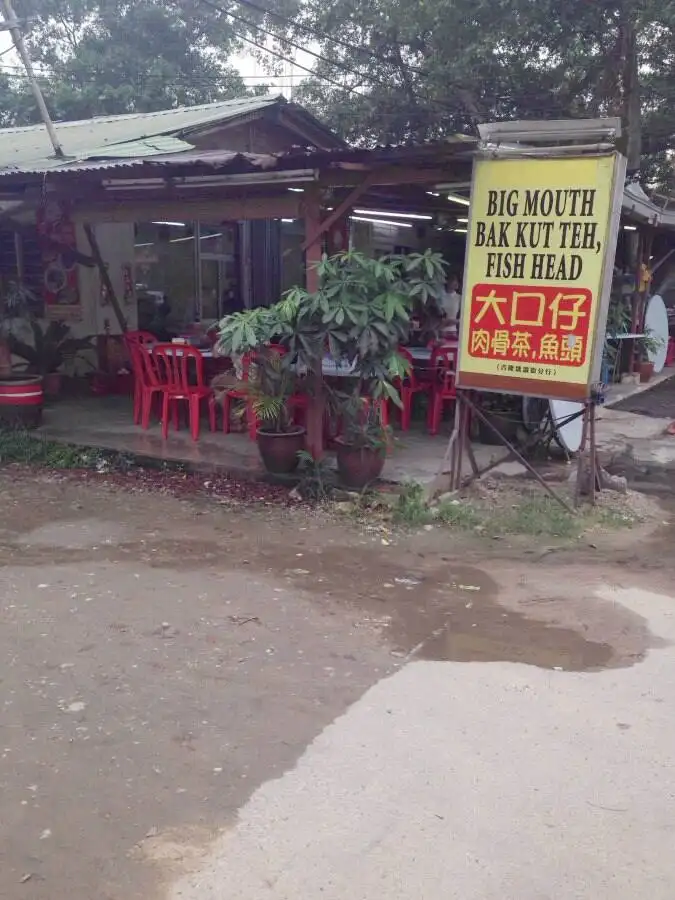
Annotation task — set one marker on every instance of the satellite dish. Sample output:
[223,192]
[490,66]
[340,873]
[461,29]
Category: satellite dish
[656,322]
[568,433]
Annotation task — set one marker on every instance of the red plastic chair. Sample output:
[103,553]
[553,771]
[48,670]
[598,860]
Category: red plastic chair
[133,340]
[234,395]
[408,387]
[176,364]
[147,381]
[443,361]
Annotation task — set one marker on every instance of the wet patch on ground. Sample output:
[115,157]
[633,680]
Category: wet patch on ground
[428,610]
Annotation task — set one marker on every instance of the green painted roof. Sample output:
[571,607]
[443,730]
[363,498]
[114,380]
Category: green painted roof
[28,149]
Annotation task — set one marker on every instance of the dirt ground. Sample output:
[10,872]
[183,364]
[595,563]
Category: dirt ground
[162,658]
[658,401]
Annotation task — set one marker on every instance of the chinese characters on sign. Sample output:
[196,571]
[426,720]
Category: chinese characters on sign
[539,242]
[529,326]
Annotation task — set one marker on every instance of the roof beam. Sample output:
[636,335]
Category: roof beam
[338,212]
[142,209]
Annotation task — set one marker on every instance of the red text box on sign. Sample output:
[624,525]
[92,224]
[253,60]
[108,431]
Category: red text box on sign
[537,324]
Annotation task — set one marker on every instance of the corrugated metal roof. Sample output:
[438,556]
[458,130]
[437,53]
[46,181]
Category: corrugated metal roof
[243,162]
[162,143]
[28,148]
[179,154]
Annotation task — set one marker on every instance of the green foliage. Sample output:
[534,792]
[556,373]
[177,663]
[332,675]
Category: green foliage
[317,477]
[360,313]
[412,508]
[363,428]
[272,382]
[649,344]
[101,58]
[428,68]
[48,347]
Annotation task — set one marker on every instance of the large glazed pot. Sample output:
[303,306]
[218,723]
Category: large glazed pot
[358,466]
[279,450]
[21,399]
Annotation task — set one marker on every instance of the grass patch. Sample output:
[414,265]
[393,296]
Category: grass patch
[458,514]
[411,509]
[534,514]
[23,447]
[510,509]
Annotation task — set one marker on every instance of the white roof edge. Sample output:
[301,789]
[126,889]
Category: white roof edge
[638,205]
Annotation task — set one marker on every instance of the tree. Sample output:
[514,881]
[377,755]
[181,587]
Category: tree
[96,57]
[427,68]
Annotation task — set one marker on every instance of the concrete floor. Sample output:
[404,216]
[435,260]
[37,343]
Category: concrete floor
[107,423]
[476,782]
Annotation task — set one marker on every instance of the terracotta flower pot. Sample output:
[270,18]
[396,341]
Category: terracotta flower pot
[359,466]
[279,451]
[646,372]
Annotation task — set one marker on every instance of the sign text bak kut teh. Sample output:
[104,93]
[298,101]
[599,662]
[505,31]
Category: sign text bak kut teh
[537,249]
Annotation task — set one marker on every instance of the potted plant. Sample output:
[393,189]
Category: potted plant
[360,313]
[362,448]
[647,346]
[45,348]
[272,383]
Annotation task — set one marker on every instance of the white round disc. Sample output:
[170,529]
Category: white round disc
[656,322]
[569,433]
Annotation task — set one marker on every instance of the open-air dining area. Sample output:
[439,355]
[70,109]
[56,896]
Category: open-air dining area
[124,244]
[238,308]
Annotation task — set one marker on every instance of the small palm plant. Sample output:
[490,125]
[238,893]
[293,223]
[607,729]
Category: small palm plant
[272,381]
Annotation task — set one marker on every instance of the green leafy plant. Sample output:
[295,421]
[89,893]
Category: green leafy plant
[272,382]
[46,348]
[363,428]
[648,345]
[317,477]
[359,314]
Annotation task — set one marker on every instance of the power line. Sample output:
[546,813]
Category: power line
[322,34]
[361,75]
[319,56]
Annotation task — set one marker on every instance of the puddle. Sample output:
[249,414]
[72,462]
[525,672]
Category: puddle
[422,610]
[454,614]
[491,635]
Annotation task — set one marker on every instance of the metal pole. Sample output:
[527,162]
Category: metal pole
[13,25]
[519,456]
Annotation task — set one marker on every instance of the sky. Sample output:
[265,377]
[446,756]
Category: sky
[253,72]
[250,67]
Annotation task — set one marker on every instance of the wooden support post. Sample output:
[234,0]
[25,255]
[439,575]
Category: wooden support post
[105,277]
[316,406]
[340,210]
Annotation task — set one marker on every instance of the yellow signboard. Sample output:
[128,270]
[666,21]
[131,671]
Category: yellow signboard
[540,252]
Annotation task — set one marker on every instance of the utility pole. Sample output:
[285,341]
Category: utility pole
[632,113]
[12,25]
